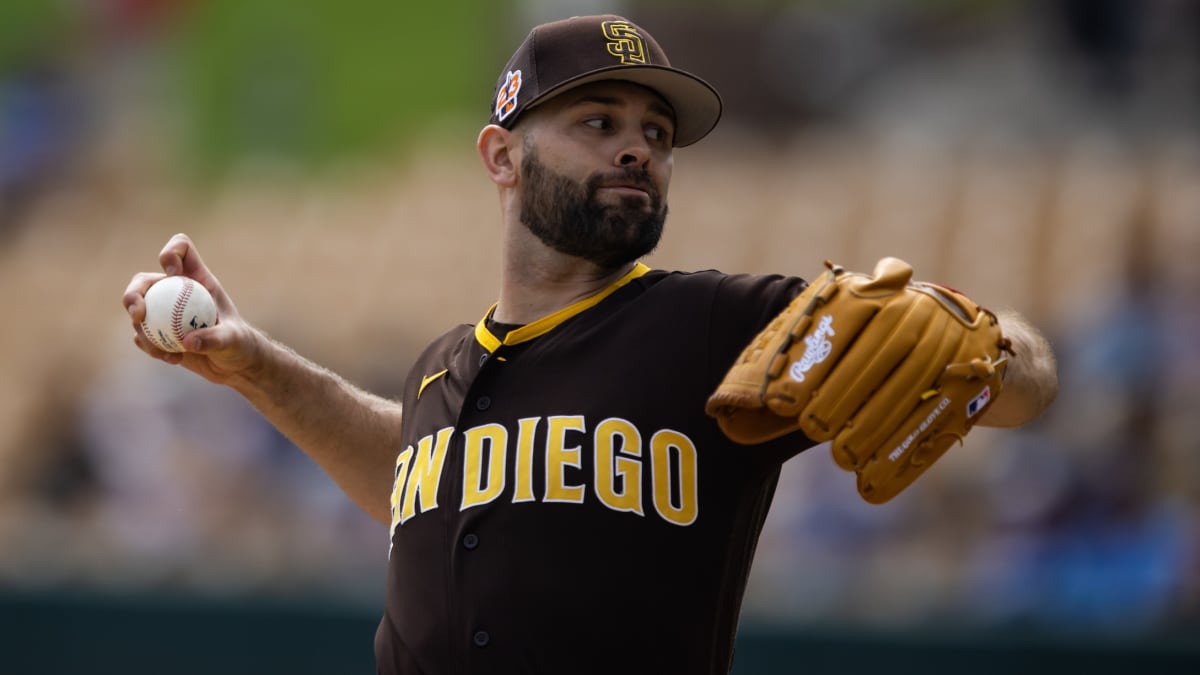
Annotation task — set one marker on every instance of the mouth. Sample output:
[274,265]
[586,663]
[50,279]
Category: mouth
[631,190]
[627,188]
[625,184]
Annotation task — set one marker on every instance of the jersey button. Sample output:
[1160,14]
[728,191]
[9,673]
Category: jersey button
[481,638]
[483,403]
[470,541]
[483,359]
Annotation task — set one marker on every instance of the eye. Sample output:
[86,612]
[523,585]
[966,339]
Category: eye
[597,122]
[659,133]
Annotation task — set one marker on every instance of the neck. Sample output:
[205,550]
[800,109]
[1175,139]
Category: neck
[537,280]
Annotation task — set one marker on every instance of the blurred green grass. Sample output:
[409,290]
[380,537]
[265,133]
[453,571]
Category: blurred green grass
[309,83]
[319,81]
[27,26]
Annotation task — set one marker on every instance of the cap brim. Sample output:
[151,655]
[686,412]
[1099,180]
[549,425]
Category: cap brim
[696,103]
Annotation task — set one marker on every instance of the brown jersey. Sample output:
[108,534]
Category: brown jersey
[562,504]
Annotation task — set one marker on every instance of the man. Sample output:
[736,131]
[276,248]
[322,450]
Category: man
[559,501]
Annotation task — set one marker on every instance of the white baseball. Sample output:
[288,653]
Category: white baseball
[175,306]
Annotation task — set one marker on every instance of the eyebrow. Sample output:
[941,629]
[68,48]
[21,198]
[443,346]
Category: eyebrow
[657,107]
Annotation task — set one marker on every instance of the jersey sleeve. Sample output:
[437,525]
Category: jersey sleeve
[742,306]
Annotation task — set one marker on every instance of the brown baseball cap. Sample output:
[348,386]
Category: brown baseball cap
[561,55]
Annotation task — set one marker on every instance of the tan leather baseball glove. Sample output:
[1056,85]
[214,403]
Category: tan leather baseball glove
[892,371]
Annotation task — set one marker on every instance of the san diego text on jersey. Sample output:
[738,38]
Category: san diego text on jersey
[499,462]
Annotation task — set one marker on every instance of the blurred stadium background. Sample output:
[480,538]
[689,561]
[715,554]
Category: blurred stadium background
[321,154]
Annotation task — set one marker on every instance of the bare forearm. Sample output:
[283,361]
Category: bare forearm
[1031,381]
[350,433]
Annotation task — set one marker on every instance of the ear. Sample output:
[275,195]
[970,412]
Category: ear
[495,146]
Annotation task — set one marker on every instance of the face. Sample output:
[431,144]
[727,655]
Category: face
[594,172]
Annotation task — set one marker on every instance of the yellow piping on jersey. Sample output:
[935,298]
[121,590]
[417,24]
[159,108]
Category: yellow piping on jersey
[427,380]
[550,321]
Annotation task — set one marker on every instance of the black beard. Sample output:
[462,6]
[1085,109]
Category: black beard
[566,215]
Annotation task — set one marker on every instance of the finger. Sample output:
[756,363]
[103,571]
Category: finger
[134,299]
[180,256]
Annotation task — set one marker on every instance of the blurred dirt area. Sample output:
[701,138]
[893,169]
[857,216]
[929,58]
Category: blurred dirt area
[359,269]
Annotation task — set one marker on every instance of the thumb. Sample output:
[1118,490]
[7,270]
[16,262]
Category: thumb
[203,340]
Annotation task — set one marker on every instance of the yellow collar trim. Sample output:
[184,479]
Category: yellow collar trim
[547,323]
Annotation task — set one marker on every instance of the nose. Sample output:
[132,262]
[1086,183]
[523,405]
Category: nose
[632,159]
[635,151]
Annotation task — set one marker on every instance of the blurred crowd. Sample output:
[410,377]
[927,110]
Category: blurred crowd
[1087,520]
[118,472]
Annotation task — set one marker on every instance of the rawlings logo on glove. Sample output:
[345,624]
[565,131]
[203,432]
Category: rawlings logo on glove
[892,371]
[818,349]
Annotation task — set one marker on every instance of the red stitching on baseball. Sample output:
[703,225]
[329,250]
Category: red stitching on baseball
[177,312]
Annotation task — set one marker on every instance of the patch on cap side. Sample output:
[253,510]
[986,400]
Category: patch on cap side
[506,99]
